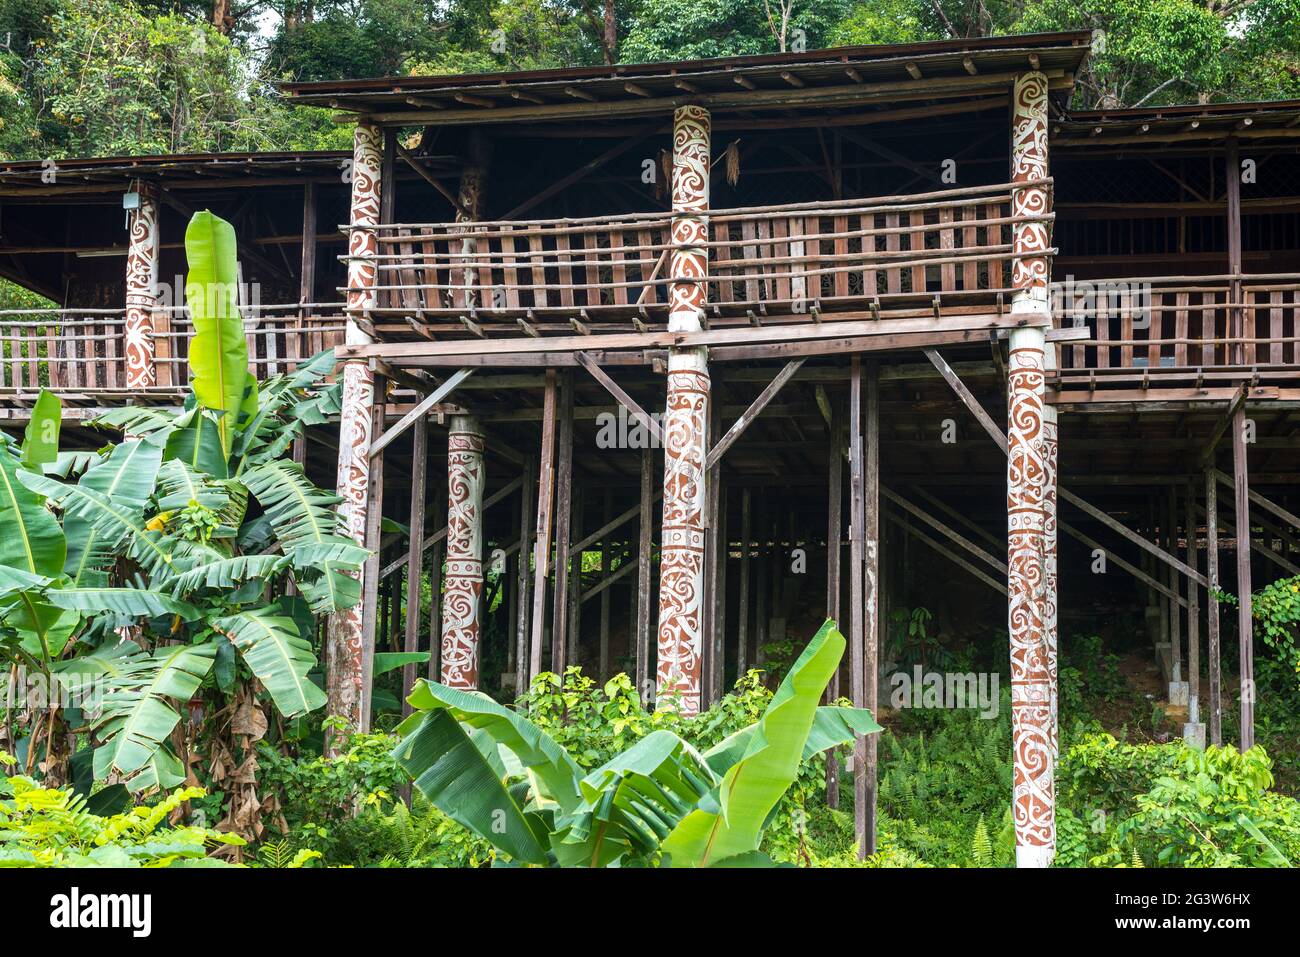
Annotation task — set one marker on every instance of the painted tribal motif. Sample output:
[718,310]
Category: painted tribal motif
[690,226]
[1029,272]
[464,580]
[1033,792]
[343,653]
[141,289]
[681,571]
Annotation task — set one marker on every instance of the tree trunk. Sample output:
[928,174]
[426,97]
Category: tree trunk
[610,40]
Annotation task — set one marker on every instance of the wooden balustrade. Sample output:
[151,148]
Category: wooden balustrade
[781,259]
[83,350]
[1180,321]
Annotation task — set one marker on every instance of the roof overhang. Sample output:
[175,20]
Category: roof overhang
[1209,124]
[821,80]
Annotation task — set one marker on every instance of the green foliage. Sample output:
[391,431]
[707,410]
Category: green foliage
[1276,610]
[1172,806]
[50,827]
[659,800]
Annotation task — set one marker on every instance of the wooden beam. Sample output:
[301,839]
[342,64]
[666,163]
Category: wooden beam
[857,604]
[370,571]
[1245,622]
[742,608]
[1235,403]
[433,181]
[952,535]
[1289,517]
[754,411]
[1212,592]
[415,556]
[615,522]
[522,676]
[967,398]
[871,591]
[613,388]
[902,522]
[419,412]
[441,535]
[641,640]
[542,541]
[563,521]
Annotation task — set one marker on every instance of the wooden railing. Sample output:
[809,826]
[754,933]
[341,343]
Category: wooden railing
[1180,321]
[83,350]
[789,258]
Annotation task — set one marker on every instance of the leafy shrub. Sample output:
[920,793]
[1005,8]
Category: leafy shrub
[1172,806]
[50,827]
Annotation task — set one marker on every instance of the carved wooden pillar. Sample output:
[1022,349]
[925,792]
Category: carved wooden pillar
[345,658]
[681,573]
[464,577]
[1029,477]
[141,287]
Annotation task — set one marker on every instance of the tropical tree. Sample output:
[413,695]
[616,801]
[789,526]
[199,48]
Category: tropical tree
[660,801]
[134,575]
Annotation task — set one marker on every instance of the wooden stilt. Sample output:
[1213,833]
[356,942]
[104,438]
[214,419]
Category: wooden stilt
[415,553]
[742,606]
[720,597]
[644,599]
[1212,605]
[857,651]
[1193,614]
[563,519]
[834,534]
[1245,621]
[1175,584]
[523,571]
[374,512]
[542,544]
[606,512]
[870,511]
[573,650]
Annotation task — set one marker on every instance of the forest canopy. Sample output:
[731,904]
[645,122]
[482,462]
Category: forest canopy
[103,77]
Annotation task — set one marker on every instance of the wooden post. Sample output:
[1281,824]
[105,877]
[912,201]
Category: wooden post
[857,605]
[1193,617]
[461,612]
[645,541]
[563,532]
[1236,317]
[542,543]
[299,341]
[606,513]
[870,511]
[573,648]
[370,571]
[1245,622]
[141,287]
[720,596]
[834,534]
[1212,605]
[1051,579]
[415,552]
[681,549]
[522,674]
[345,658]
[1027,475]
[1177,685]
[742,608]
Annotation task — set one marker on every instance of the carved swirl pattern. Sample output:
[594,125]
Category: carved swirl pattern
[367,157]
[141,290]
[689,262]
[464,580]
[1033,791]
[471,193]
[1030,241]
[343,653]
[681,574]
[1050,453]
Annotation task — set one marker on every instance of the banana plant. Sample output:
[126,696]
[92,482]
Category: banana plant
[659,801]
[174,539]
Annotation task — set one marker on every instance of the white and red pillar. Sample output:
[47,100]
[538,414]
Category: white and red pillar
[345,658]
[1030,485]
[681,570]
[141,287]
[463,588]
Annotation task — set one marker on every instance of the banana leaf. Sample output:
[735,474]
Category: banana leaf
[753,785]
[41,439]
[535,749]
[31,539]
[140,602]
[272,648]
[136,716]
[218,350]
[197,442]
[451,771]
[832,726]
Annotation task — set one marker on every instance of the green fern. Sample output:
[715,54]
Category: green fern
[981,845]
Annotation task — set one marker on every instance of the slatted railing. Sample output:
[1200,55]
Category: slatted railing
[83,350]
[789,258]
[1180,321]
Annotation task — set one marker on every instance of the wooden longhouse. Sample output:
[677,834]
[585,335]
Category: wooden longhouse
[698,352]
